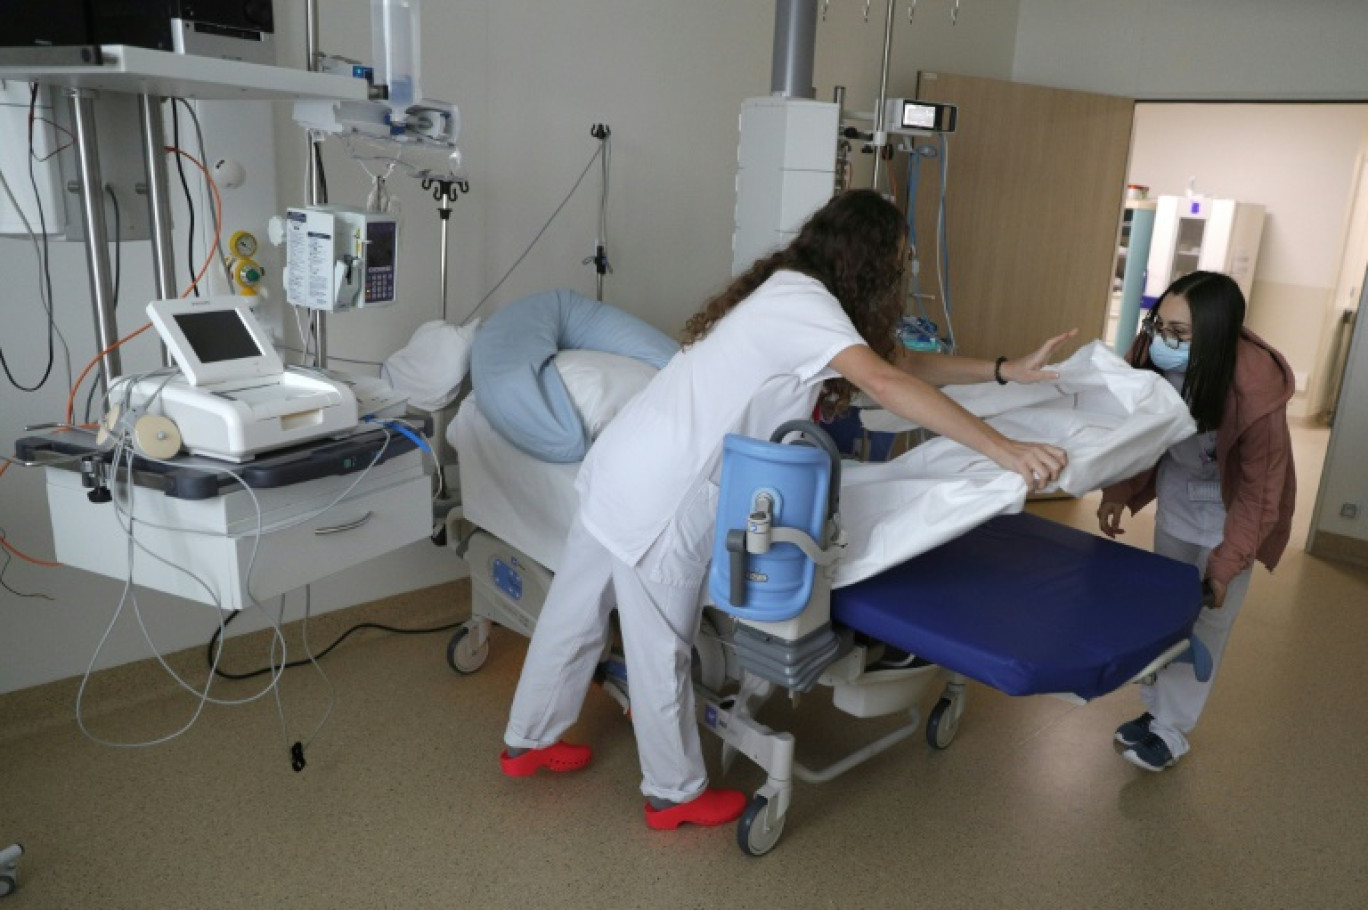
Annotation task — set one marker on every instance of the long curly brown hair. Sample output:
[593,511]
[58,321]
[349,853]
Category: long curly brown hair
[852,246]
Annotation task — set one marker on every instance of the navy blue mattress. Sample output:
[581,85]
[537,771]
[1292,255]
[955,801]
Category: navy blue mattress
[1029,606]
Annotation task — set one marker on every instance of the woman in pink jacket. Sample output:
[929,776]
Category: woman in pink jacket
[1225,495]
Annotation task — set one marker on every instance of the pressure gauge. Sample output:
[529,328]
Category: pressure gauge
[248,274]
[243,244]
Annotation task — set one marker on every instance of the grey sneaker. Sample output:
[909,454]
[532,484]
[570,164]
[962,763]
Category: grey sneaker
[1151,753]
[1132,731]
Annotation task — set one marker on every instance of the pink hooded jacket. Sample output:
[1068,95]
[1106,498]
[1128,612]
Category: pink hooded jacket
[1254,452]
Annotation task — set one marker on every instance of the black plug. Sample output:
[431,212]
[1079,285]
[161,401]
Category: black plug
[93,479]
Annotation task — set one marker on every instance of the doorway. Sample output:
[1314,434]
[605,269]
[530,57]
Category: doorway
[1304,163]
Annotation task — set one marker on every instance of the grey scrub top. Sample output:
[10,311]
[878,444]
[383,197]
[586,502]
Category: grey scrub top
[1189,487]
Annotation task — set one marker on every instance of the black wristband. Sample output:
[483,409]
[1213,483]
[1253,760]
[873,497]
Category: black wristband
[997,370]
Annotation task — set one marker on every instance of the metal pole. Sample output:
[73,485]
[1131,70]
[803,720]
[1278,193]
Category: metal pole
[880,139]
[795,46]
[97,241]
[444,213]
[842,145]
[158,198]
[314,191]
[1133,278]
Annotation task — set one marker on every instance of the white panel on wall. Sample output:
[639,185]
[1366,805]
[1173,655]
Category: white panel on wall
[1213,49]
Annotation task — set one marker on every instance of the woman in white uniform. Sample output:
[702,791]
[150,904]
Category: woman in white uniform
[810,323]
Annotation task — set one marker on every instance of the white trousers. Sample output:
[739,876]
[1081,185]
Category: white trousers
[659,623]
[1177,697]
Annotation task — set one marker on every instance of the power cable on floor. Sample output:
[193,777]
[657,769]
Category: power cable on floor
[219,671]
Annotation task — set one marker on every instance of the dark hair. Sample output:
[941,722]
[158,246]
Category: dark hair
[1218,310]
[851,246]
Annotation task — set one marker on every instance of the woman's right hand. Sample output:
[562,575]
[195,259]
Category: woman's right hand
[1109,518]
[1038,463]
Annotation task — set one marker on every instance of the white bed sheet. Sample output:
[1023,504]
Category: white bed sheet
[522,500]
[1112,420]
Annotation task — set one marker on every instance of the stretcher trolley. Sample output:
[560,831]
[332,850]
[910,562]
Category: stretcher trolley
[1020,603]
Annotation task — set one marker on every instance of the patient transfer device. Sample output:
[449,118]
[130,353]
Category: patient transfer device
[1019,603]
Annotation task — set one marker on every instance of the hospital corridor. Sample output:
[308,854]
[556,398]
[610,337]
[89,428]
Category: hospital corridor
[403,805]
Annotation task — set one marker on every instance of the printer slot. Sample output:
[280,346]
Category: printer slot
[301,419]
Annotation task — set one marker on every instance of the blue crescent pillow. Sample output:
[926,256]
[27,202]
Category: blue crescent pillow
[517,386]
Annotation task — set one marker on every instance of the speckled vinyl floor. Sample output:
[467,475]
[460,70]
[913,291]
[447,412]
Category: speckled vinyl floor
[402,804]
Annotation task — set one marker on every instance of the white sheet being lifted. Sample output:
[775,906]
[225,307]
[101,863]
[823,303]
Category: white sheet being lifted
[1113,421]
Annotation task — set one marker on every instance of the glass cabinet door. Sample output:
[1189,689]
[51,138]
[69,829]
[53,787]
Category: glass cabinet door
[1188,247]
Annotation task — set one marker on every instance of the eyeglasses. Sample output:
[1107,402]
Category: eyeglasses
[1173,338]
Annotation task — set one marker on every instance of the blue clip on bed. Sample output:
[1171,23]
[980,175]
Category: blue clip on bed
[1029,606]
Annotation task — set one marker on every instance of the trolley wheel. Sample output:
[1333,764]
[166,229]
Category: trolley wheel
[941,724]
[463,657]
[758,831]
[7,885]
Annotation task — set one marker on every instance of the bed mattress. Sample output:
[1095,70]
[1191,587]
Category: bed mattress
[1029,606]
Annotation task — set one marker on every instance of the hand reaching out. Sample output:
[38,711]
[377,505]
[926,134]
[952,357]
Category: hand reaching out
[1028,368]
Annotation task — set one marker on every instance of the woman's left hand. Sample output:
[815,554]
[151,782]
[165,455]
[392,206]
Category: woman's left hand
[1028,368]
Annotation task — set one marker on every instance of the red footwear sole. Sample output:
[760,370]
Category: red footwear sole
[711,807]
[561,756]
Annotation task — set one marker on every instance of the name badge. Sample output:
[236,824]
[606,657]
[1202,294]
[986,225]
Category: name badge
[1204,490]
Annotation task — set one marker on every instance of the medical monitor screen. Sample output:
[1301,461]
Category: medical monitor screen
[380,249]
[919,116]
[217,336]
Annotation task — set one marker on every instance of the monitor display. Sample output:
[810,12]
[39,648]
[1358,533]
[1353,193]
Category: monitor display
[217,335]
[919,116]
[380,247]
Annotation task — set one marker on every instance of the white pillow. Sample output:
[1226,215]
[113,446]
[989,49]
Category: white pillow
[429,369]
[601,384]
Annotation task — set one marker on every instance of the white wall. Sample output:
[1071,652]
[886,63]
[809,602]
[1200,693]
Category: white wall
[530,78]
[1299,161]
[668,77]
[1345,482]
[1256,50]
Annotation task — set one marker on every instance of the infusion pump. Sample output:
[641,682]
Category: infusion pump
[339,258]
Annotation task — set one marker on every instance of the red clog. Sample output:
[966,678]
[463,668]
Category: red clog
[561,756]
[711,807]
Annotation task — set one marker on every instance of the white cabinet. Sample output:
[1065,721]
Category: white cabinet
[208,550]
[1199,233]
[786,170]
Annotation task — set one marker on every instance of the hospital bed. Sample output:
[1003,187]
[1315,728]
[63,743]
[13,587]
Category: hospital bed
[930,575]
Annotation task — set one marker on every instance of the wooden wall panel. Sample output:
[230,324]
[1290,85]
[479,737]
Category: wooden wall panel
[1036,183]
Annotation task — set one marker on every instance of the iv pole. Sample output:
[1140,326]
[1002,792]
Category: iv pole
[313,192]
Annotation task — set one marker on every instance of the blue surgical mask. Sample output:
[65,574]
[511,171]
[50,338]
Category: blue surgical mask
[1167,358]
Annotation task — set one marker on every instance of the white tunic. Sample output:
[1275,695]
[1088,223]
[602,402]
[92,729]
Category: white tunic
[657,462]
[1189,487]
